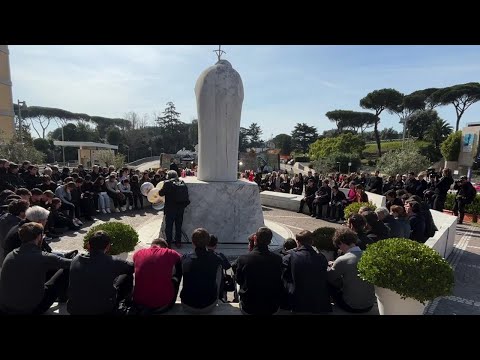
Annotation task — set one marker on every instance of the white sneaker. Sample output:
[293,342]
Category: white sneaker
[78,222]
[129,208]
[117,210]
[108,211]
[75,222]
[124,208]
[103,211]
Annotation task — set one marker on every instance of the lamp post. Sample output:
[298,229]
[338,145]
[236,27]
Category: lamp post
[338,162]
[128,153]
[349,164]
[21,104]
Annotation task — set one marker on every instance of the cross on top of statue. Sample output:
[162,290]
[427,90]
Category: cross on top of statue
[219,52]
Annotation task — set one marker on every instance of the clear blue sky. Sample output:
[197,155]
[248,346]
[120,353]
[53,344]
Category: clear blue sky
[283,85]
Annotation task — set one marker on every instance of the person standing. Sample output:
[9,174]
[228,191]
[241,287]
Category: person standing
[176,200]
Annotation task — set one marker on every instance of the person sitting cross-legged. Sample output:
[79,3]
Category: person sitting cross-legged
[23,285]
[202,276]
[348,290]
[305,278]
[156,281]
[212,246]
[258,274]
[98,281]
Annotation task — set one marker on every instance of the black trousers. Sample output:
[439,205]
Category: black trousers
[337,295]
[171,217]
[55,287]
[459,207]
[137,198]
[124,286]
[59,220]
[309,204]
[71,209]
[439,202]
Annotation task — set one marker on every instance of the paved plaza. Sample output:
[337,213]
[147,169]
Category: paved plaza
[465,259]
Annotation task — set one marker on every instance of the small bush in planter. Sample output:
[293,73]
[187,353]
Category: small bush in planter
[409,268]
[354,207]
[322,239]
[124,237]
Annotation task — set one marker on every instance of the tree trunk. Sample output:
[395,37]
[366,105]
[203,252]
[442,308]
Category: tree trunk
[458,121]
[377,138]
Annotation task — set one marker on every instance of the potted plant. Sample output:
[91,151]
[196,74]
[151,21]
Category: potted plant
[323,242]
[124,237]
[354,207]
[474,208]
[406,275]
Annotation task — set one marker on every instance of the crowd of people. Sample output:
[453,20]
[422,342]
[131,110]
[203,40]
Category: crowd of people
[298,279]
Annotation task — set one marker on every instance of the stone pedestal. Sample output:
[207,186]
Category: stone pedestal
[229,210]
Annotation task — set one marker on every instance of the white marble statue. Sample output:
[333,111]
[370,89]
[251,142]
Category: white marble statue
[219,92]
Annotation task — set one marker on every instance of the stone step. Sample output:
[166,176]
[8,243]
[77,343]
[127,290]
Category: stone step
[220,309]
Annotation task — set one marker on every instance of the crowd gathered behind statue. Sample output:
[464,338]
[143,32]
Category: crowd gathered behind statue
[35,206]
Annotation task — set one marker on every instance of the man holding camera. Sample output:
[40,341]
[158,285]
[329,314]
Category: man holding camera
[465,195]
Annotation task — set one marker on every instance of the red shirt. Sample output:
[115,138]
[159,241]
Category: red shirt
[153,276]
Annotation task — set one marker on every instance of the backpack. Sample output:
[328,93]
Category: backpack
[180,190]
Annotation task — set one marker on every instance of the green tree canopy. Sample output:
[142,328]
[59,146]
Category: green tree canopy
[402,161]
[354,120]
[462,96]
[254,132]
[284,143]
[344,143]
[378,101]
[450,148]
[302,136]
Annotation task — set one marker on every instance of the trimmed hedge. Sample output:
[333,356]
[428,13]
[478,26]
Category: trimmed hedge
[407,267]
[124,237]
[354,207]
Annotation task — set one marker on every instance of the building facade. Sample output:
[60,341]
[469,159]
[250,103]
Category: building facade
[7,127]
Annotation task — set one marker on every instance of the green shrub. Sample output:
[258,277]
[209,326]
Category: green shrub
[409,268]
[323,238]
[354,207]
[123,237]
[474,207]
[450,202]
[450,148]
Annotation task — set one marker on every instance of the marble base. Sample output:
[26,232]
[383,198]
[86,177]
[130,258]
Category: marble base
[229,210]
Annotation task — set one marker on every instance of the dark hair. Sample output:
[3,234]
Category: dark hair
[4,194]
[399,210]
[16,207]
[213,241]
[46,178]
[200,238]
[357,221]
[36,191]
[415,206]
[289,244]
[49,193]
[68,179]
[23,191]
[88,177]
[75,176]
[304,237]
[134,178]
[79,180]
[264,236]
[345,236]
[99,241]
[391,193]
[160,242]
[414,198]
[371,217]
[56,201]
[70,185]
[29,232]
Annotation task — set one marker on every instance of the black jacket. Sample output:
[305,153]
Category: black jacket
[22,279]
[200,288]
[305,280]
[442,187]
[417,224]
[92,277]
[7,222]
[168,190]
[259,274]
